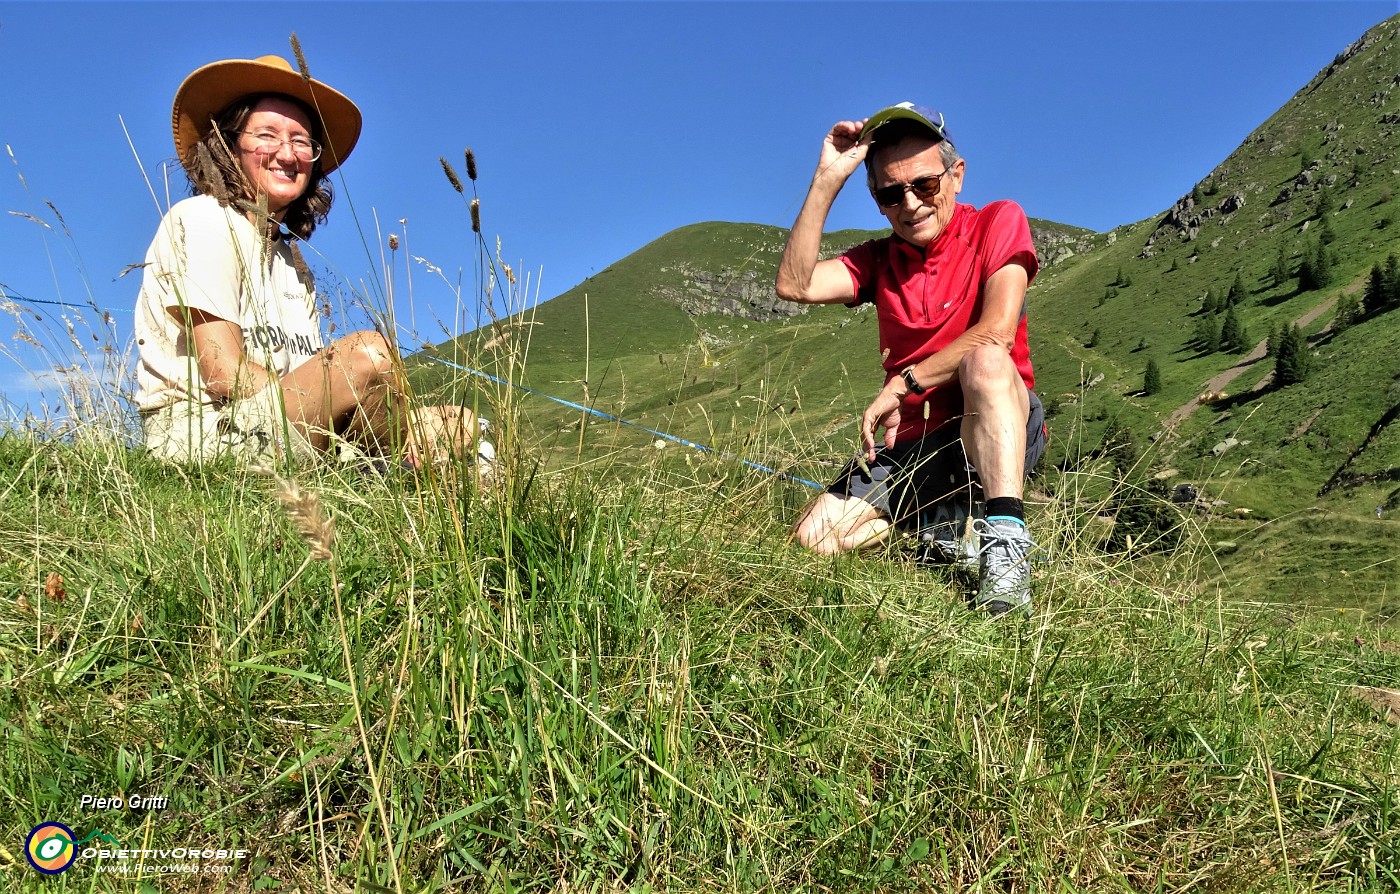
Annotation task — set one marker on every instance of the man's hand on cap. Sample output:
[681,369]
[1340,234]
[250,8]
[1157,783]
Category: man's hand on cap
[842,151]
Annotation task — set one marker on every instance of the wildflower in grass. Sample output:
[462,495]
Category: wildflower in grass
[53,587]
[451,175]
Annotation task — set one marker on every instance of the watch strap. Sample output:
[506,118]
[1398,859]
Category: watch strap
[908,374]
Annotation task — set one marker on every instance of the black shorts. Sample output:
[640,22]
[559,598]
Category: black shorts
[905,482]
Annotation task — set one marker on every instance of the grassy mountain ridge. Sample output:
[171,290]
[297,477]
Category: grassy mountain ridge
[683,335]
[1326,161]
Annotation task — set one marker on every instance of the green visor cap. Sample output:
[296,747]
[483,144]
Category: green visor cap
[930,118]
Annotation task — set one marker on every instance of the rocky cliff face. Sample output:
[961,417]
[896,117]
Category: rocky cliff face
[729,292]
[1055,246]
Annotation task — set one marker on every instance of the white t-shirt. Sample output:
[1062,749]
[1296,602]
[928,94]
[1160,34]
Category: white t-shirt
[212,259]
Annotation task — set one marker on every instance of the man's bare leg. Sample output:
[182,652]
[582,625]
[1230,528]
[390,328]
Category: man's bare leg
[996,406]
[832,524]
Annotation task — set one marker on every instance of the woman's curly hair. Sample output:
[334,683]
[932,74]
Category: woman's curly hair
[214,170]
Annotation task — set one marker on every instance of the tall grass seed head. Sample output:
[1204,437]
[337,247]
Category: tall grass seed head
[451,175]
[476,215]
[303,507]
[471,164]
[301,59]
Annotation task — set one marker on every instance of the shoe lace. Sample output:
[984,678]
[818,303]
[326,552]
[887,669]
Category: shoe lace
[1001,552]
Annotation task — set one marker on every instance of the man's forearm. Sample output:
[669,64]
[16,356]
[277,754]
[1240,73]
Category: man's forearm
[804,243]
[941,367]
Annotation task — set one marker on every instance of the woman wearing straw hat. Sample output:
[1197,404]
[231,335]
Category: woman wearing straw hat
[232,359]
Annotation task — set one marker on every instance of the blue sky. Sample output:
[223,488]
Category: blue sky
[601,126]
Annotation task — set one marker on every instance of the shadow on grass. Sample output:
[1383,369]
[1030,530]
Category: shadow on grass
[1281,298]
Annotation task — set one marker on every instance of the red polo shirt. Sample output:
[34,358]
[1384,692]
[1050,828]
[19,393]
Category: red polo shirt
[925,298]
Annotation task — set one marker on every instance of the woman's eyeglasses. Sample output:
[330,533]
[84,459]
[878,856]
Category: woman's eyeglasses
[304,148]
[924,189]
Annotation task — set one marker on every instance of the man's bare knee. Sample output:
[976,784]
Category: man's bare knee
[833,525]
[986,367]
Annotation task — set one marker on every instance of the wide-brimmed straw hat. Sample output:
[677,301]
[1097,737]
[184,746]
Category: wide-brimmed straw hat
[209,89]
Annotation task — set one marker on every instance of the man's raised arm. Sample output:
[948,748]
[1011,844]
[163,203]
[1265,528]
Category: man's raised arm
[801,277]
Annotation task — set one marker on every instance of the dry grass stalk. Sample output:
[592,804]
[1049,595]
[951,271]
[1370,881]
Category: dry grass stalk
[301,59]
[304,509]
[451,175]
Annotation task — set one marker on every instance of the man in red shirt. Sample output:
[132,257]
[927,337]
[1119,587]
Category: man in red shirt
[949,288]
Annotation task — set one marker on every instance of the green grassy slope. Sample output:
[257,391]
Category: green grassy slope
[580,681]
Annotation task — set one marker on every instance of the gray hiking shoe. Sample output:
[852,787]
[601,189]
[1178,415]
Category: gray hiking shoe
[1005,575]
[947,537]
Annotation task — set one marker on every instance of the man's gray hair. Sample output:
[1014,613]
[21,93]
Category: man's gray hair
[947,152]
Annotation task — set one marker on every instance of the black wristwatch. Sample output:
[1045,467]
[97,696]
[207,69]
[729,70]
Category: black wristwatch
[908,374]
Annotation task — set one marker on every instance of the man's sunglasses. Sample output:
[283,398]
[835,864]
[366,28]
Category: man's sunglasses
[924,189]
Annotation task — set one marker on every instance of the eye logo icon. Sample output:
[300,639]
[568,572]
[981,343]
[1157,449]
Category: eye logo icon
[50,848]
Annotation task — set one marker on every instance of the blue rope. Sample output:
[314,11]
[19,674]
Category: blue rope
[601,415]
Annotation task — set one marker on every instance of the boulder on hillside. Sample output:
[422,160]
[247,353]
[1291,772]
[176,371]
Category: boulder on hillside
[1225,446]
[1185,493]
[1231,203]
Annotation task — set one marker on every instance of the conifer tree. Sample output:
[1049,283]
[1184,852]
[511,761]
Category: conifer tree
[1322,266]
[1205,333]
[1208,304]
[1237,292]
[1315,272]
[1152,378]
[1324,202]
[1324,232]
[1271,343]
[1348,312]
[1376,297]
[1291,364]
[1233,336]
[1280,271]
[1212,334]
